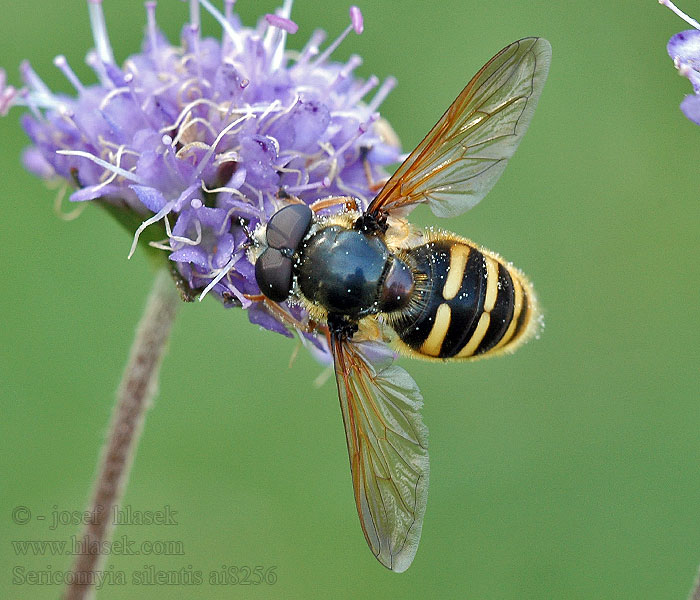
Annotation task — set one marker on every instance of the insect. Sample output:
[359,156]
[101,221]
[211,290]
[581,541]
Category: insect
[370,278]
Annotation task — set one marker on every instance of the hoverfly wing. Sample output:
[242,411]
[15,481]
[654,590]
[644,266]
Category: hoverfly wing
[466,151]
[388,448]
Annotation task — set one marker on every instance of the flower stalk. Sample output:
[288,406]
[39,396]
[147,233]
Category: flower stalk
[695,592]
[137,390]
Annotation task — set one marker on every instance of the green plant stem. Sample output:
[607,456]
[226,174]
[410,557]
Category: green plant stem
[137,389]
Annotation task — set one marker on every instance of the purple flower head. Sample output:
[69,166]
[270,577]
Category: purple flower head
[684,49]
[200,143]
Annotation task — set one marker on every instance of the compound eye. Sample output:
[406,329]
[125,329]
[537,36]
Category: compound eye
[273,272]
[288,226]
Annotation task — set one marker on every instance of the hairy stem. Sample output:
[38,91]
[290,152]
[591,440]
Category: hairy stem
[137,389]
[695,593]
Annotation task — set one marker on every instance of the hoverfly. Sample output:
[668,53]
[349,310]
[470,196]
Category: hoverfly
[368,278]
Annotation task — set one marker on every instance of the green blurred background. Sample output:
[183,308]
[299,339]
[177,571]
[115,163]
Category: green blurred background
[568,470]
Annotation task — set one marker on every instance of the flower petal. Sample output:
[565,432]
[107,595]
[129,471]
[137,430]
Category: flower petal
[203,135]
[685,46]
[150,197]
[191,254]
[691,108]
[258,315]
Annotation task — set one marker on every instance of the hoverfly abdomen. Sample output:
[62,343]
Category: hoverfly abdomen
[398,286]
[467,302]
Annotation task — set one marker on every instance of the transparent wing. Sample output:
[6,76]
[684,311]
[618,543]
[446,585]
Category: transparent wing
[463,156]
[388,447]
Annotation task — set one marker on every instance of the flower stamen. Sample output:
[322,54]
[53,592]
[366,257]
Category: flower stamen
[281,23]
[191,123]
[668,4]
[369,85]
[208,130]
[353,62]
[276,35]
[298,189]
[98,66]
[103,163]
[386,87]
[154,219]
[225,22]
[184,113]
[221,274]
[311,48]
[194,15]
[62,64]
[207,157]
[99,31]
[112,94]
[152,27]
[356,25]
[228,9]
[357,20]
[7,94]
[58,206]
[179,238]
[226,189]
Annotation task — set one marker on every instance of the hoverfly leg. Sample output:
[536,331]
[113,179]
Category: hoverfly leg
[284,198]
[288,198]
[349,202]
[374,186]
[254,297]
[230,300]
[276,310]
[295,353]
[248,233]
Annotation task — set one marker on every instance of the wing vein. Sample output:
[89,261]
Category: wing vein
[490,116]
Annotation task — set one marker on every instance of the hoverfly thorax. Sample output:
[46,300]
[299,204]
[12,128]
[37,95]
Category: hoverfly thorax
[350,273]
[347,271]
